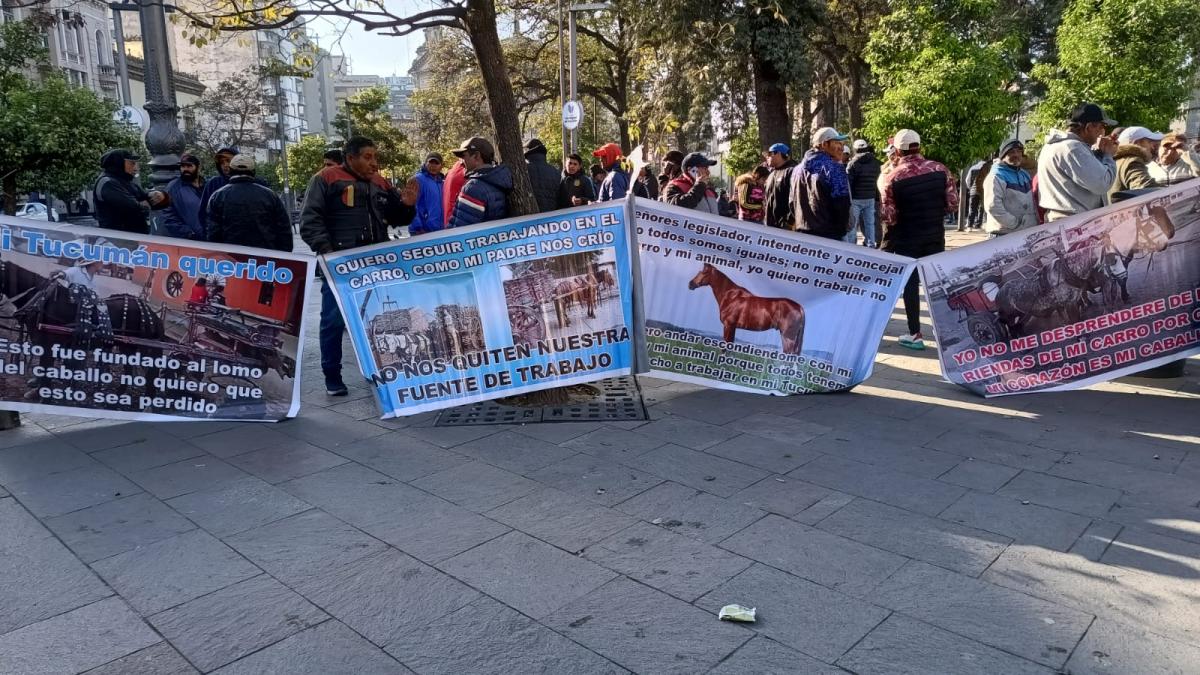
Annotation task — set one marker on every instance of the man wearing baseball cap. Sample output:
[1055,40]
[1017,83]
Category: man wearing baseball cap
[1136,148]
[820,193]
[429,204]
[247,213]
[777,192]
[616,179]
[484,196]
[690,189]
[917,195]
[863,171]
[181,218]
[1076,166]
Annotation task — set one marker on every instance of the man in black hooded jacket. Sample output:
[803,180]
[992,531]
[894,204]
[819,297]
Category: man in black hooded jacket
[122,204]
[543,178]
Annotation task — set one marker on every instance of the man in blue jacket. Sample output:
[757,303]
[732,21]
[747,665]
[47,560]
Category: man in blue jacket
[484,196]
[616,180]
[820,192]
[182,218]
[429,204]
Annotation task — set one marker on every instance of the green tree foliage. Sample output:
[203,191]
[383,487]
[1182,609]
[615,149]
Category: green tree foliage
[745,152]
[51,133]
[449,108]
[304,160]
[942,74]
[1136,58]
[229,114]
[369,117]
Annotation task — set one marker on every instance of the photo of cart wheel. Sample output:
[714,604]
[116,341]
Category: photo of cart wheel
[146,338]
[563,295]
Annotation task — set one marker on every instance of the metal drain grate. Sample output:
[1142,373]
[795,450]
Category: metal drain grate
[487,412]
[620,399]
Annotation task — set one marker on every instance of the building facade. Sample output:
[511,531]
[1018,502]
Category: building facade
[79,41]
[281,99]
[320,106]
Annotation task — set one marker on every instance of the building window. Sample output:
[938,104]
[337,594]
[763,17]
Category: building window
[266,293]
[102,55]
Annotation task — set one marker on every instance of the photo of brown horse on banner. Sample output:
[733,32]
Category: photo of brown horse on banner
[742,309]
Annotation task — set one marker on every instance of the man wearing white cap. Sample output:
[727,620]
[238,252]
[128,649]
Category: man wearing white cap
[864,171]
[1136,148]
[820,192]
[917,195]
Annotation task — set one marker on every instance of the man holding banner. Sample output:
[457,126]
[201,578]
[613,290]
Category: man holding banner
[345,207]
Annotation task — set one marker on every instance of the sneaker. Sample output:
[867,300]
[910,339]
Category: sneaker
[913,341]
[334,386]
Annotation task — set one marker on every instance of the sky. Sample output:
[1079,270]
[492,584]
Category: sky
[372,54]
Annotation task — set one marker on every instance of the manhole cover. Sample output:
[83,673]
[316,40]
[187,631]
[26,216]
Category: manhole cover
[619,399]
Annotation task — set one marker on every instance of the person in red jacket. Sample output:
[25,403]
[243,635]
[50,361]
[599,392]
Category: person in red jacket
[455,180]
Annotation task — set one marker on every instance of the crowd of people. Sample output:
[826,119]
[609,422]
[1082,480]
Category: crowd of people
[836,191]
[233,207]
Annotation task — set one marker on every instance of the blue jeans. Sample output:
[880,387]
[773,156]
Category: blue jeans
[862,216]
[332,329]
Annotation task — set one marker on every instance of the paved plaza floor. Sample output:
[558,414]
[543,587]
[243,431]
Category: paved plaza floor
[906,527]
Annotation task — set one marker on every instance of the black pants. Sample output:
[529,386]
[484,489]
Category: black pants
[912,293]
[975,210]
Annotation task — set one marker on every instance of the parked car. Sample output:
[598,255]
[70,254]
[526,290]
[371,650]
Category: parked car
[36,211]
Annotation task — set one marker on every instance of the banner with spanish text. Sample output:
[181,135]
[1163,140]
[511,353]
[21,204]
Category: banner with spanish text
[742,306]
[99,324]
[1074,302]
[497,309]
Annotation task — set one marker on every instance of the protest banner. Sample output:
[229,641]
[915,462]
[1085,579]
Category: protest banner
[100,324]
[1074,302]
[742,306]
[497,309]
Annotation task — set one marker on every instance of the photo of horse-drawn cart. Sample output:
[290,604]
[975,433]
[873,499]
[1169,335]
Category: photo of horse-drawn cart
[144,338]
[563,295]
[1055,276]
[446,324]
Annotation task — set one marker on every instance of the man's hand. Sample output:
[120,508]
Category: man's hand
[410,192]
[702,174]
[157,197]
[1106,145]
[576,201]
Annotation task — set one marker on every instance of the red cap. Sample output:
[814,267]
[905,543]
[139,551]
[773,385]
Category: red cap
[608,154]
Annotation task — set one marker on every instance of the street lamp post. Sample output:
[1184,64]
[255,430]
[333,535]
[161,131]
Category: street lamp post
[119,34]
[164,140]
[571,11]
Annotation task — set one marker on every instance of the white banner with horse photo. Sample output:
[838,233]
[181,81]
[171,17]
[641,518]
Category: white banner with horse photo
[96,324]
[1081,300]
[741,306]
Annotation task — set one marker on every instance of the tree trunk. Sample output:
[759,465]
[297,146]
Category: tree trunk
[770,100]
[480,23]
[10,194]
[626,142]
[854,98]
[481,27]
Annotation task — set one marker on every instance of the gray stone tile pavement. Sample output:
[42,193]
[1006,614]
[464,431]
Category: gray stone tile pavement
[906,527]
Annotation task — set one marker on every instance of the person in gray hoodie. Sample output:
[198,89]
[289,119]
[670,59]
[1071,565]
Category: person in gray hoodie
[1072,177]
[1008,192]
